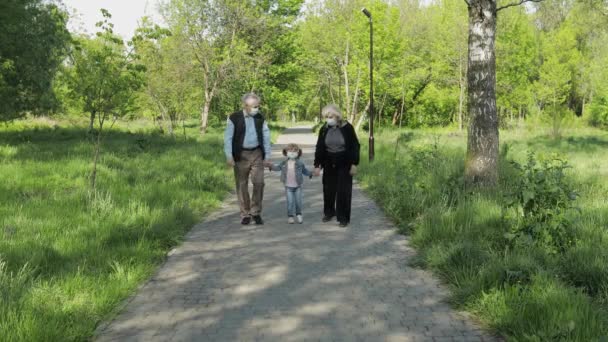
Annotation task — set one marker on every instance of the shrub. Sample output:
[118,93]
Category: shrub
[540,205]
[599,113]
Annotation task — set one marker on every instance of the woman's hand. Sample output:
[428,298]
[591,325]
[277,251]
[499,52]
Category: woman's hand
[317,172]
[353,170]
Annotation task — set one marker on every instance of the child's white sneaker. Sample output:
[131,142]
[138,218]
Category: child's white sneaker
[290,220]
[300,219]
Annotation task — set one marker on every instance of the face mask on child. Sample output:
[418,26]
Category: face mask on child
[292,155]
[332,122]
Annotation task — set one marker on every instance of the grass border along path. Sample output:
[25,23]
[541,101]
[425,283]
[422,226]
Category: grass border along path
[68,257]
[524,291]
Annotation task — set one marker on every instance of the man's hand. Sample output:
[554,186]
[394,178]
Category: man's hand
[268,164]
[230,162]
[317,172]
[353,170]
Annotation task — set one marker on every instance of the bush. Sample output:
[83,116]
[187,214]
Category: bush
[541,203]
[599,113]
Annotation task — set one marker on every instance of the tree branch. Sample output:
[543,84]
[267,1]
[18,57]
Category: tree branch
[520,2]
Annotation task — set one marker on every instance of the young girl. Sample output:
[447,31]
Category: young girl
[293,171]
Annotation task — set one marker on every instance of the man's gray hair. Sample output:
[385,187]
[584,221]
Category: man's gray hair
[250,96]
[332,109]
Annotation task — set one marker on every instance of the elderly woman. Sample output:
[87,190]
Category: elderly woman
[337,153]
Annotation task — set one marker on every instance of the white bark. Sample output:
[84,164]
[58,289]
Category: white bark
[482,146]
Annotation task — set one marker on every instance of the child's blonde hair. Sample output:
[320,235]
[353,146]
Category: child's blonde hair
[292,147]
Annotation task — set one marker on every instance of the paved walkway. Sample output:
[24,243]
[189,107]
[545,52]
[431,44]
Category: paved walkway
[281,282]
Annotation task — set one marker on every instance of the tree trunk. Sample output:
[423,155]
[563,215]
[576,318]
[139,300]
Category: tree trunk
[205,112]
[353,110]
[520,117]
[481,166]
[166,118]
[381,110]
[346,82]
[461,95]
[97,152]
[91,122]
[362,117]
[401,111]
[395,117]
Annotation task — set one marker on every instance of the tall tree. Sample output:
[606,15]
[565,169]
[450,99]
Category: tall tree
[517,55]
[169,73]
[213,30]
[557,74]
[34,41]
[103,79]
[481,166]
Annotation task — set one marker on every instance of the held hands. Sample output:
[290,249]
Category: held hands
[317,172]
[353,170]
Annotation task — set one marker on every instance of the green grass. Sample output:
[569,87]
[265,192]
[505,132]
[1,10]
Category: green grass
[523,293]
[68,256]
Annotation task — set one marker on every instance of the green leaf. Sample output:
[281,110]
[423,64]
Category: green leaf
[527,196]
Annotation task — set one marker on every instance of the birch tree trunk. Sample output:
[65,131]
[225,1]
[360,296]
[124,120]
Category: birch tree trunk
[353,110]
[362,117]
[481,165]
[205,112]
[461,95]
[346,83]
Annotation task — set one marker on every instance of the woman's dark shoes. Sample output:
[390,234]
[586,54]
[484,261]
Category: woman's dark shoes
[258,219]
[246,220]
[327,218]
[343,224]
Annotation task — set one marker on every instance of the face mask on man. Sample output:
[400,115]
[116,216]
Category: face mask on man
[292,155]
[254,111]
[331,122]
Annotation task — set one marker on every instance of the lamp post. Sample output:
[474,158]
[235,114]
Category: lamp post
[371,83]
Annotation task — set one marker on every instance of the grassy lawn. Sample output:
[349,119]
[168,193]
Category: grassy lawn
[525,291]
[69,256]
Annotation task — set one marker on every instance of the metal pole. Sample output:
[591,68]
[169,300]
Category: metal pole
[371,84]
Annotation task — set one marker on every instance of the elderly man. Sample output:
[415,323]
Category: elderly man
[247,149]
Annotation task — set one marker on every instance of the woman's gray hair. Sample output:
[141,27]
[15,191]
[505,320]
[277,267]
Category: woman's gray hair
[250,96]
[332,109]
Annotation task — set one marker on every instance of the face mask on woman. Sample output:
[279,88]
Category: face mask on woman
[332,122]
[292,155]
